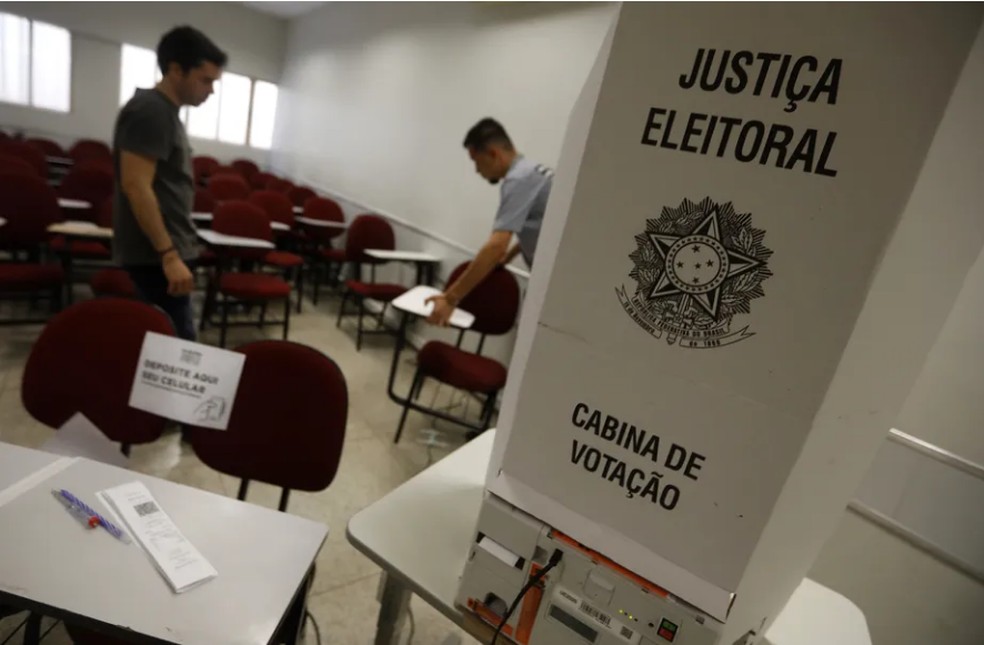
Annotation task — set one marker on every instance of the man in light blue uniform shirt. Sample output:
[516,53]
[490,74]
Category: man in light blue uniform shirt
[522,202]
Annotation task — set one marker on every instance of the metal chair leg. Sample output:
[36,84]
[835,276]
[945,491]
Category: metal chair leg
[286,316]
[341,308]
[358,336]
[32,630]
[225,324]
[263,309]
[315,269]
[418,378]
[299,284]
[243,488]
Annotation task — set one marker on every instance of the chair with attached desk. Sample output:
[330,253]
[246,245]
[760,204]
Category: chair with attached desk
[225,186]
[245,167]
[259,180]
[27,153]
[11,165]
[84,361]
[279,185]
[88,182]
[242,219]
[29,205]
[281,211]
[299,195]
[368,232]
[494,302]
[318,239]
[89,149]
[48,147]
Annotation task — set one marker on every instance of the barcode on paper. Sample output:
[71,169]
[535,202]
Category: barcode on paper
[145,508]
[602,618]
[627,633]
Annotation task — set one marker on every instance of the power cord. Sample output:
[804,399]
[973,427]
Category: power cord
[554,561]
[317,630]
[413,626]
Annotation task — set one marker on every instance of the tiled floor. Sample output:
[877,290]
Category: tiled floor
[343,598]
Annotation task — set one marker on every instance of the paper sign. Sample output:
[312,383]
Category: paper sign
[175,557]
[79,437]
[186,381]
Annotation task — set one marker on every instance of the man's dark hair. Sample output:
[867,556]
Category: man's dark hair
[485,132]
[189,48]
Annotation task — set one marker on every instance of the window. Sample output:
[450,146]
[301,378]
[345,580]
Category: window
[238,111]
[264,114]
[35,63]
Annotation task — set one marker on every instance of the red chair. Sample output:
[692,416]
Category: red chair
[288,421]
[245,167]
[30,206]
[88,183]
[279,209]
[319,238]
[279,185]
[10,165]
[88,249]
[89,149]
[368,232]
[299,195]
[27,153]
[84,361]
[494,303]
[240,218]
[96,163]
[48,147]
[226,170]
[204,201]
[226,186]
[203,167]
[113,282]
[259,180]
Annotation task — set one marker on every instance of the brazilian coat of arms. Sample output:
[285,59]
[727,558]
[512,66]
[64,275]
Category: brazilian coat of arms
[696,268]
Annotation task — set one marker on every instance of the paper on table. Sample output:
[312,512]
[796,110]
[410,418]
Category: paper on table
[176,558]
[79,437]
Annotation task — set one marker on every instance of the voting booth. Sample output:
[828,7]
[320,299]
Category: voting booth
[761,217]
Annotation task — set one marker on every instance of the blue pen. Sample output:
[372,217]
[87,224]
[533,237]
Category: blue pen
[82,508]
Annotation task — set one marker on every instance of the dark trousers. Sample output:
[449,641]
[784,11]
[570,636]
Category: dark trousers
[151,285]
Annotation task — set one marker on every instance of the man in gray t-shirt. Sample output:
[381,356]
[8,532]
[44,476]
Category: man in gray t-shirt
[154,237]
[522,202]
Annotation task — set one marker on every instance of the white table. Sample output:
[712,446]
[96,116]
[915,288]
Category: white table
[75,204]
[221,239]
[420,534]
[425,262]
[50,564]
[321,223]
[207,217]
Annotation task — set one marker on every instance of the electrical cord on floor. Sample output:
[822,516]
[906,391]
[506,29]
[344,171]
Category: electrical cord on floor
[554,561]
[314,623]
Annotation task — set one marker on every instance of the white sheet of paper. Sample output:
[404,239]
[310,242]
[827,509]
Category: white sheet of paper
[181,564]
[79,437]
[185,381]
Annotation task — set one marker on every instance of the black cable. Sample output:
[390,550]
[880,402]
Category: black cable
[413,626]
[317,630]
[13,633]
[554,561]
[53,625]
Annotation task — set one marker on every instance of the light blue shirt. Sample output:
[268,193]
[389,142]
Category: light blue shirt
[523,200]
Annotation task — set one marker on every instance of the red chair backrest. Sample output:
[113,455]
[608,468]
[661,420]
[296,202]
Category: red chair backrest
[30,206]
[96,163]
[223,187]
[84,361]
[368,232]
[275,205]
[494,301]
[324,209]
[48,147]
[16,166]
[204,165]
[259,180]
[287,426]
[245,167]
[89,149]
[299,195]
[90,183]
[279,185]
[204,201]
[226,170]
[239,217]
[27,153]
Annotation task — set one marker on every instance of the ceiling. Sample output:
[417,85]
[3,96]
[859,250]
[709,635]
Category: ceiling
[284,9]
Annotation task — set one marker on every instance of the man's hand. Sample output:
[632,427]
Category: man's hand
[441,316]
[179,278]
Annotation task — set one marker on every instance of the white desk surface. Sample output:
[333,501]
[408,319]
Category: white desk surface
[412,301]
[298,210]
[261,555]
[73,203]
[207,217]
[61,161]
[429,556]
[220,239]
[405,256]
[81,229]
[307,221]
[17,463]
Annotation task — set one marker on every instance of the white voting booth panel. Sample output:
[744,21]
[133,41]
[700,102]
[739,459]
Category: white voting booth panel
[745,260]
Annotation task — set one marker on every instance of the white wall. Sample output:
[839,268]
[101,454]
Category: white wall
[254,41]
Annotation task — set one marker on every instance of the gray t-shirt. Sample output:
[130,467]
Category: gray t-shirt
[522,201]
[149,125]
